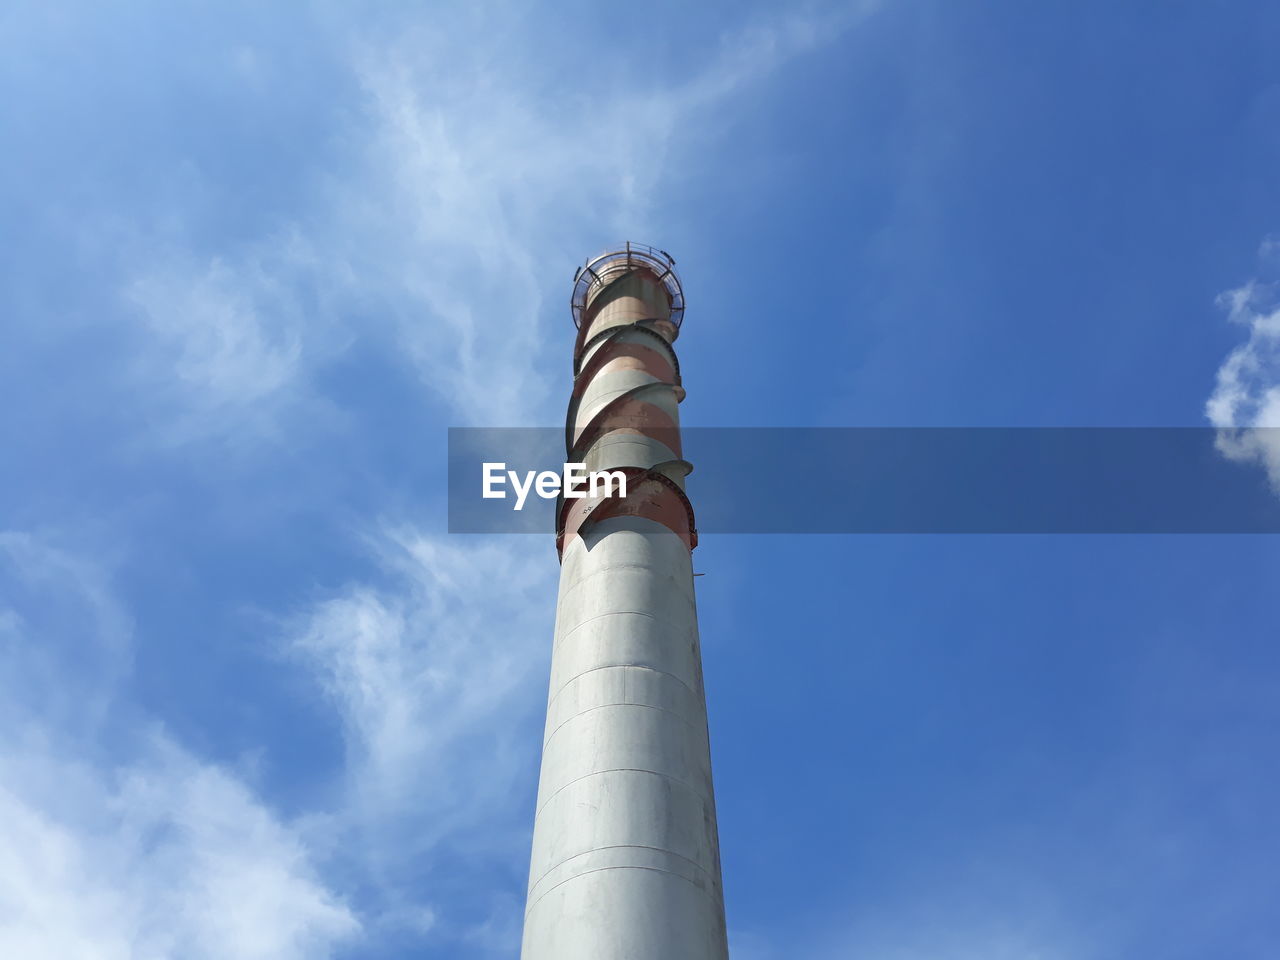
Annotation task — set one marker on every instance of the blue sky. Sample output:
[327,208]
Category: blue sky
[257,703]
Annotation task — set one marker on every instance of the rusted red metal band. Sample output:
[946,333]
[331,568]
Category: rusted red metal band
[612,333]
[651,361]
[638,356]
[589,317]
[628,412]
[651,494]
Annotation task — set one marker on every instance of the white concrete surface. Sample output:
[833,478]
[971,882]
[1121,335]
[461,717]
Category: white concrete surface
[626,862]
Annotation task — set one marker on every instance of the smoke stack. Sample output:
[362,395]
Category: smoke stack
[626,861]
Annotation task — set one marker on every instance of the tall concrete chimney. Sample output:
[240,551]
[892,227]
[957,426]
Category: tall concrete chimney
[626,859]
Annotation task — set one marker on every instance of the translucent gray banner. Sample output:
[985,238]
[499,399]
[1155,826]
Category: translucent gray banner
[908,480]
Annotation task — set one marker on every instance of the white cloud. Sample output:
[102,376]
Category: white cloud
[471,174]
[1245,404]
[490,187]
[160,857]
[114,841]
[72,619]
[436,675]
[213,318]
[483,167]
[460,180]
[227,336]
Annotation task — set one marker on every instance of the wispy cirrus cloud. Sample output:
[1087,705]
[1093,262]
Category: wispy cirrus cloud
[228,343]
[464,180]
[1245,403]
[159,856]
[465,198]
[468,196]
[433,672]
[115,842]
[454,174]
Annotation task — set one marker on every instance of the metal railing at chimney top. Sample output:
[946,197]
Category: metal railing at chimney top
[597,271]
